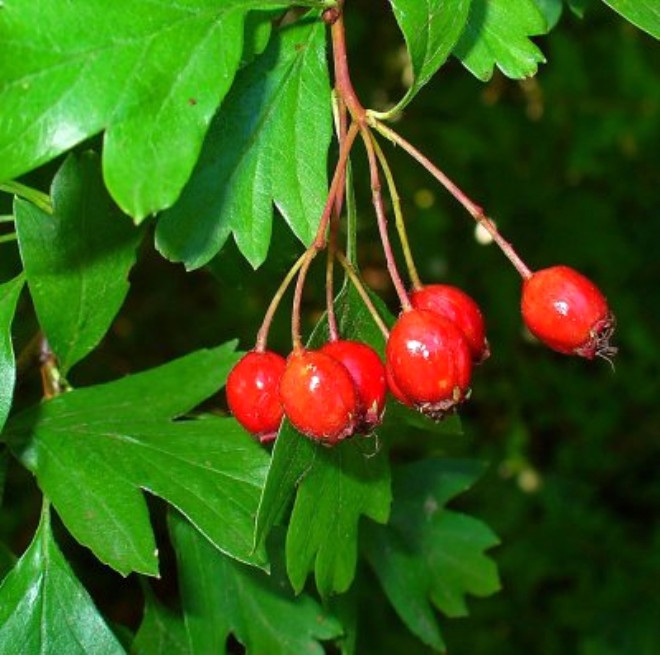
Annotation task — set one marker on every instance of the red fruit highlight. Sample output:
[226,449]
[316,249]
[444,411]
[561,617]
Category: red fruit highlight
[253,393]
[454,304]
[368,374]
[319,396]
[568,312]
[429,361]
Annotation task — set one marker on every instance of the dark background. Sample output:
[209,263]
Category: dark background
[567,164]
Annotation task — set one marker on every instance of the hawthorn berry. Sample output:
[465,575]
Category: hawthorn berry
[368,374]
[319,396]
[454,304]
[567,312]
[253,393]
[429,362]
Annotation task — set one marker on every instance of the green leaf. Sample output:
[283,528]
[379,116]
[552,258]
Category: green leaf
[497,34]
[76,259]
[93,450]
[430,556]
[222,597]
[267,145]
[335,486]
[162,632]
[645,14]
[45,609]
[9,293]
[152,75]
[431,29]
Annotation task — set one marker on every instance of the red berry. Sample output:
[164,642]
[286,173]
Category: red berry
[253,393]
[368,373]
[319,396]
[429,361]
[395,390]
[568,312]
[457,306]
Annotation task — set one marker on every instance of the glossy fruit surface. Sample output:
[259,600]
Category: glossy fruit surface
[429,361]
[454,304]
[568,312]
[368,373]
[253,393]
[318,396]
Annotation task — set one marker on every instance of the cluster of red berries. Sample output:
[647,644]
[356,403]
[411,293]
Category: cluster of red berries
[339,390]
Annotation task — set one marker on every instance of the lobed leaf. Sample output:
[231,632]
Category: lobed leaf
[430,556]
[431,29]
[333,487]
[645,14]
[497,34]
[45,609]
[9,293]
[267,145]
[151,75]
[76,259]
[222,597]
[93,450]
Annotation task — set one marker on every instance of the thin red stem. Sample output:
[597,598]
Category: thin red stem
[475,210]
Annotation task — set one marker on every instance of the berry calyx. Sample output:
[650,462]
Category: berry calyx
[368,374]
[568,312]
[253,393]
[458,307]
[318,396]
[429,361]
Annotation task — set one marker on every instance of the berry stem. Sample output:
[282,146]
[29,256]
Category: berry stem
[377,199]
[360,288]
[262,335]
[473,209]
[333,330]
[6,238]
[36,197]
[398,215]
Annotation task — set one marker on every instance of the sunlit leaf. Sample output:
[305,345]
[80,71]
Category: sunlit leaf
[76,259]
[645,14]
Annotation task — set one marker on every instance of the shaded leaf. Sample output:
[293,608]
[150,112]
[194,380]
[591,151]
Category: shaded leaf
[162,632]
[45,609]
[93,450]
[76,259]
[333,486]
[497,34]
[222,597]
[151,74]
[551,10]
[430,556]
[9,292]
[645,14]
[431,29]
[267,145]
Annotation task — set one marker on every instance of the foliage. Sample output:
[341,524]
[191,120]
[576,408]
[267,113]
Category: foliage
[202,120]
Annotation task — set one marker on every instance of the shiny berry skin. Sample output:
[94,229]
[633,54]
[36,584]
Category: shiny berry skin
[568,313]
[457,306]
[395,390]
[318,396]
[253,393]
[368,373]
[429,361]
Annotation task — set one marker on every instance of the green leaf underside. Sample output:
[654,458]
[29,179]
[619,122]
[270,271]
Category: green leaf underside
[9,293]
[497,34]
[431,29]
[645,14]
[222,597]
[267,145]
[76,259]
[151,75]
[45,609]
[93,450]
[427,555]
[335,486]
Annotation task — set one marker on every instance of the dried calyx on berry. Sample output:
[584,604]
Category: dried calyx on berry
[253,393]
[568,312]
[454,304]
[429,363]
